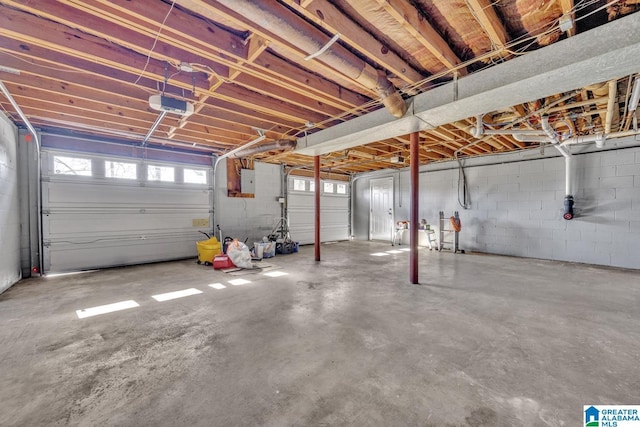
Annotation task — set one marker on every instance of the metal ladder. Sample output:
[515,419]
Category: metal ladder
[455,248]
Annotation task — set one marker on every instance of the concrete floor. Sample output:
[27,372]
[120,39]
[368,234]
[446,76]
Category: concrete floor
[484,341]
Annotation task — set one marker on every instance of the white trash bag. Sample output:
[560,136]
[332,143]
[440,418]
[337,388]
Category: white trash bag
[239,254]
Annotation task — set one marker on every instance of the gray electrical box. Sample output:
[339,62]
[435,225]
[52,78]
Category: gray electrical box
[248,181]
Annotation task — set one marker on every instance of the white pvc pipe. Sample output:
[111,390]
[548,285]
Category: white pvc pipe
[553,137]
[597,138]
[567,173]
[474,132]
[529,138]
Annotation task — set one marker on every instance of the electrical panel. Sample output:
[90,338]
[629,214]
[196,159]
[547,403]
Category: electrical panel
[248,181]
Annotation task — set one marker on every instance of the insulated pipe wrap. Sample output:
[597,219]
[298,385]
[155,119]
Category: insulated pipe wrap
[390,96]
[283,144]
[265,14]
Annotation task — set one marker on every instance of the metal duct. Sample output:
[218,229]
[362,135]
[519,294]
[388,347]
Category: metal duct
[282,144]
[264,13]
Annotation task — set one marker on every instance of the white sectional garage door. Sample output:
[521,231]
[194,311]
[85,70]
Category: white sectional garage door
[109,211]
[334,210]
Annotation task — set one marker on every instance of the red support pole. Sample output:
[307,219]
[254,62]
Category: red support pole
[316,176]
[413,220]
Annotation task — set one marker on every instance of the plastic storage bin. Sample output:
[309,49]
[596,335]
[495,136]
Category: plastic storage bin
[265,249]
[208,249]
[286,247]
[222,261]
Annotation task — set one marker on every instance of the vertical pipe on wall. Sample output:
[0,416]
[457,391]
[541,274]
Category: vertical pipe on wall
[316,176]
[36,138]
[413,220]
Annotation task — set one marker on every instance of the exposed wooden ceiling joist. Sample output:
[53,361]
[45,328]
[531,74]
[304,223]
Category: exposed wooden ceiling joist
[486,15]
[91,65]
[323,13]
[416,25]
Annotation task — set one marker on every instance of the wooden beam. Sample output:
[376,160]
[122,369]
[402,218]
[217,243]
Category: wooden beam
[95,51]
[30,29]
[255,46]
[430,154]
[612,106]
[217,12]
[181,44]
[324,14]
[486,15]
[125,99]
[410,19]
[256,61]
[138,120]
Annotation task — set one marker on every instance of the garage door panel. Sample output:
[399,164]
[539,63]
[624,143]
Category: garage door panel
[334,203]
[64,225]
[105,253]
[93,221]
[64,194]
[334,216]
[298,201]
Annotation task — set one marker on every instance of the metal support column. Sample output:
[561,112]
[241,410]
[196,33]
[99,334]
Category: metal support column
[413,220]
[316,176]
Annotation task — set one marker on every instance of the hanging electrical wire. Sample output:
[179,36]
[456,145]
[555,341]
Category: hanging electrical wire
[155,41]
[463,188]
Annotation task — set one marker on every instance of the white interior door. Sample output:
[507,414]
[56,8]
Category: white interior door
[381,213]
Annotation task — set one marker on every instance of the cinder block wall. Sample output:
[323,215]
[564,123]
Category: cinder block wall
[516,206]
[248,218]
[9,207]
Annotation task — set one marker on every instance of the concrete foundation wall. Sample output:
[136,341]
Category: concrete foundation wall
[517,205]
[250,218]
[9,206]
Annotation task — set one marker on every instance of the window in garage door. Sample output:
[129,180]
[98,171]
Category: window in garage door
[66,165]
[115,169]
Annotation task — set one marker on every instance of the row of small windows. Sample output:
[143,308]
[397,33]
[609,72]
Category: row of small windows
[63,165]
[327,187]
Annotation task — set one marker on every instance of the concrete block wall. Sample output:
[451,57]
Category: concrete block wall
[9,206]
[244,217]
[516,207]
